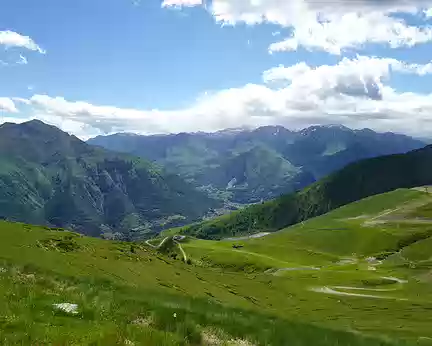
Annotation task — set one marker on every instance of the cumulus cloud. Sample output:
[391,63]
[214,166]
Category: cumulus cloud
[12,39]
[354,92]
[332,26]
[362,76]
[7,105]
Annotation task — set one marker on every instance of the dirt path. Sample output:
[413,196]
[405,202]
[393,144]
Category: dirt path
[156,246]
[349,288]
[288,269]
[183,252]
[396,280]
[401,213]
[328,290]
[427,189]
[163,242]
[253,236]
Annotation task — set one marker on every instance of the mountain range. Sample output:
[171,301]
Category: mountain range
[248,166]
[51,178]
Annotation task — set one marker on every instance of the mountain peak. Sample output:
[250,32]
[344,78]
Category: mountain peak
[37,139]
[329,127]
[34,125]
[34,122]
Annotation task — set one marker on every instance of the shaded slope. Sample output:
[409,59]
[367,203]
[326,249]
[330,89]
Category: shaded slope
[50,177]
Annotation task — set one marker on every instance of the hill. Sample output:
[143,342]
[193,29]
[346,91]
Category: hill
[354,182]
[380,226]
[49,177]
[304,284]
[245,166]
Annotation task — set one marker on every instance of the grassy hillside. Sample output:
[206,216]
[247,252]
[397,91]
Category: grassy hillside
[378,226]
[354,182]
[264,293]
[49,177]
[378,249]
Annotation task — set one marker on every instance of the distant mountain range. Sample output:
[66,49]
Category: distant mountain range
[354,182]
[248,166]
[49,177]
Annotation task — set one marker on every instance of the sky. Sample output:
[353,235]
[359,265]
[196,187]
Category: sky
[95,67]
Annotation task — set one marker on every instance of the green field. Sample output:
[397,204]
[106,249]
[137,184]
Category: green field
[360,275]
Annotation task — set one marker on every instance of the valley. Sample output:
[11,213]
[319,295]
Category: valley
[345,261]
[241,167]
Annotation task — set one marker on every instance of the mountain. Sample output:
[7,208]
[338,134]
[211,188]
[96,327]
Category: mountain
[49,177]
[247,166]
[356,181]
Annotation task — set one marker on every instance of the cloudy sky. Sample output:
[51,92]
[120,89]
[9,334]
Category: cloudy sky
[101,66]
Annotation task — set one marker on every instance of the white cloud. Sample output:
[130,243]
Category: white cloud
[175,3]
[332,26]
[354,30]
[364,68]
[354,92]
[22,60]
[12,39]
[7,105]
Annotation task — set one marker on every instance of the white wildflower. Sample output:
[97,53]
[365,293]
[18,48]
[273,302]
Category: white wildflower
[67,307]
[175,315]
[3,270]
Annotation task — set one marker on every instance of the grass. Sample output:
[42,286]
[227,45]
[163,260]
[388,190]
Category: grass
[328,238]
[134,294]
[341,244]
[111,315]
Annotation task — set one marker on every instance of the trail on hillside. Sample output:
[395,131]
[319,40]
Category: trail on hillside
[401,213]
[252,236]
[332,291]
[156,246]
[163,242]
[182,251]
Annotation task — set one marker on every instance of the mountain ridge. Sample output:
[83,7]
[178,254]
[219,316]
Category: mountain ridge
[206,159]
[358,180]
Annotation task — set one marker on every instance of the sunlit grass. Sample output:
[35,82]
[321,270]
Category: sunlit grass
[133,294]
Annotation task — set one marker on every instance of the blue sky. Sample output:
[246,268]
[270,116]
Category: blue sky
[116,65]
[164,58]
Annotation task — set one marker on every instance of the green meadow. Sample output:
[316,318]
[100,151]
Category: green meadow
[360,275]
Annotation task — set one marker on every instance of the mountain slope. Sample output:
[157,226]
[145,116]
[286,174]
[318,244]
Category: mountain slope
[247,166]
[59,288]
[49,177]
[378,226]
[354,182]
